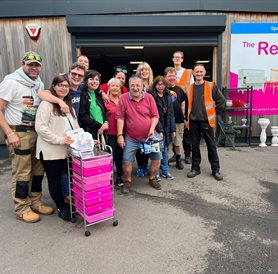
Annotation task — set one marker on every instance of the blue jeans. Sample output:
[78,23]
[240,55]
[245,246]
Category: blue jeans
[164,162]
[64,183]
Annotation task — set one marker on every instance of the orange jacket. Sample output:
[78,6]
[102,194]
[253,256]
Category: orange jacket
[184,82]
[209,103]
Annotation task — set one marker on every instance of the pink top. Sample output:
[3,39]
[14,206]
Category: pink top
[105,88]
[137,115]
[111,112]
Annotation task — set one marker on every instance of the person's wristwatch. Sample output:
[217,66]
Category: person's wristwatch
[118,135]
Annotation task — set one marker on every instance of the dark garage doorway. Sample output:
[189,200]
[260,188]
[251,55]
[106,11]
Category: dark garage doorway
[104,59]
[103,37]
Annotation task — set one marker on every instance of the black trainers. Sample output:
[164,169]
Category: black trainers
[217,176]
[193,173]
[188,160]
[168,176]
[179,164]
[64,214]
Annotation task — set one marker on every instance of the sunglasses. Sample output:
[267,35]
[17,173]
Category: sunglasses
[63,86]
[77,75]
[121,70]
[32,57]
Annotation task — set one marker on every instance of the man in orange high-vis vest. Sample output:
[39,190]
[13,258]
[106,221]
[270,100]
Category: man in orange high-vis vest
[184,79]
[184,76]
[204,102]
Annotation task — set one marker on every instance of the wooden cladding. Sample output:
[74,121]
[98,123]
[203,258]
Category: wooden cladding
[54,45]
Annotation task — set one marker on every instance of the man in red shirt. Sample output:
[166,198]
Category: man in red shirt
[137,117]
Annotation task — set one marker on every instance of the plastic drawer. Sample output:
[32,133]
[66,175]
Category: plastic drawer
[93,193]
[91,186]
[92,171]
[95,162]
[93,179]
[97,217]
[90,210]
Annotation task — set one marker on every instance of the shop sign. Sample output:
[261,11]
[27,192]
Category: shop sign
[33,30]
[254,62]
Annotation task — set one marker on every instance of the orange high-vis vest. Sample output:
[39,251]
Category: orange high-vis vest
[184,82]
[209,103]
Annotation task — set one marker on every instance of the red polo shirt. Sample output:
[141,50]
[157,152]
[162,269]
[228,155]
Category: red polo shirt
[137,115]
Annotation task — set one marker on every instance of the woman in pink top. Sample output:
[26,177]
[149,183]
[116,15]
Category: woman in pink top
[120,73]
[114,86]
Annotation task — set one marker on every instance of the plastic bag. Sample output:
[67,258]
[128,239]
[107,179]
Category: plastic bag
[83,141]
[150,145]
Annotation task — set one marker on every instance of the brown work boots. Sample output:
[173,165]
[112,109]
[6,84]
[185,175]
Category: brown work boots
[43,209]
[31,216]
[154,184]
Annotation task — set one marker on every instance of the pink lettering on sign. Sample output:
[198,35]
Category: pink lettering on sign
[265,48]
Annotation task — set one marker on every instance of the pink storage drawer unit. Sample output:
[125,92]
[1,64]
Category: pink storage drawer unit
[93,182]
[90,210]
[92,171]
[97,217]
[95,162]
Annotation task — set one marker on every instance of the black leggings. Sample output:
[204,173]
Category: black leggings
[53,172]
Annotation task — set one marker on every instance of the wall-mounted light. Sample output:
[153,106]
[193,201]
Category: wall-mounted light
[136,62]
[202,61]
[134,47]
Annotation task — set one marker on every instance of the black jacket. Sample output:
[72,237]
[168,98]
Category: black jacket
[85,121]
[166,123]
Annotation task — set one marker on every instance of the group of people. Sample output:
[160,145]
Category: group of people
[176,108]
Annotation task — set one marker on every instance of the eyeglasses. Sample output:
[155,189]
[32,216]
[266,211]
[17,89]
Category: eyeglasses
[32,57]
[160,84]
[63,86]
[177,57]
[132,86]
[121,70]
[77,75]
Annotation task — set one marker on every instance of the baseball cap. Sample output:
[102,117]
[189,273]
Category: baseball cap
[31,57]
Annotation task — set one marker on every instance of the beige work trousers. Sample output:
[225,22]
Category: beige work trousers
[24,167]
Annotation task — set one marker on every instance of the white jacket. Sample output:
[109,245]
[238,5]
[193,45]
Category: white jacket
[51,131]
